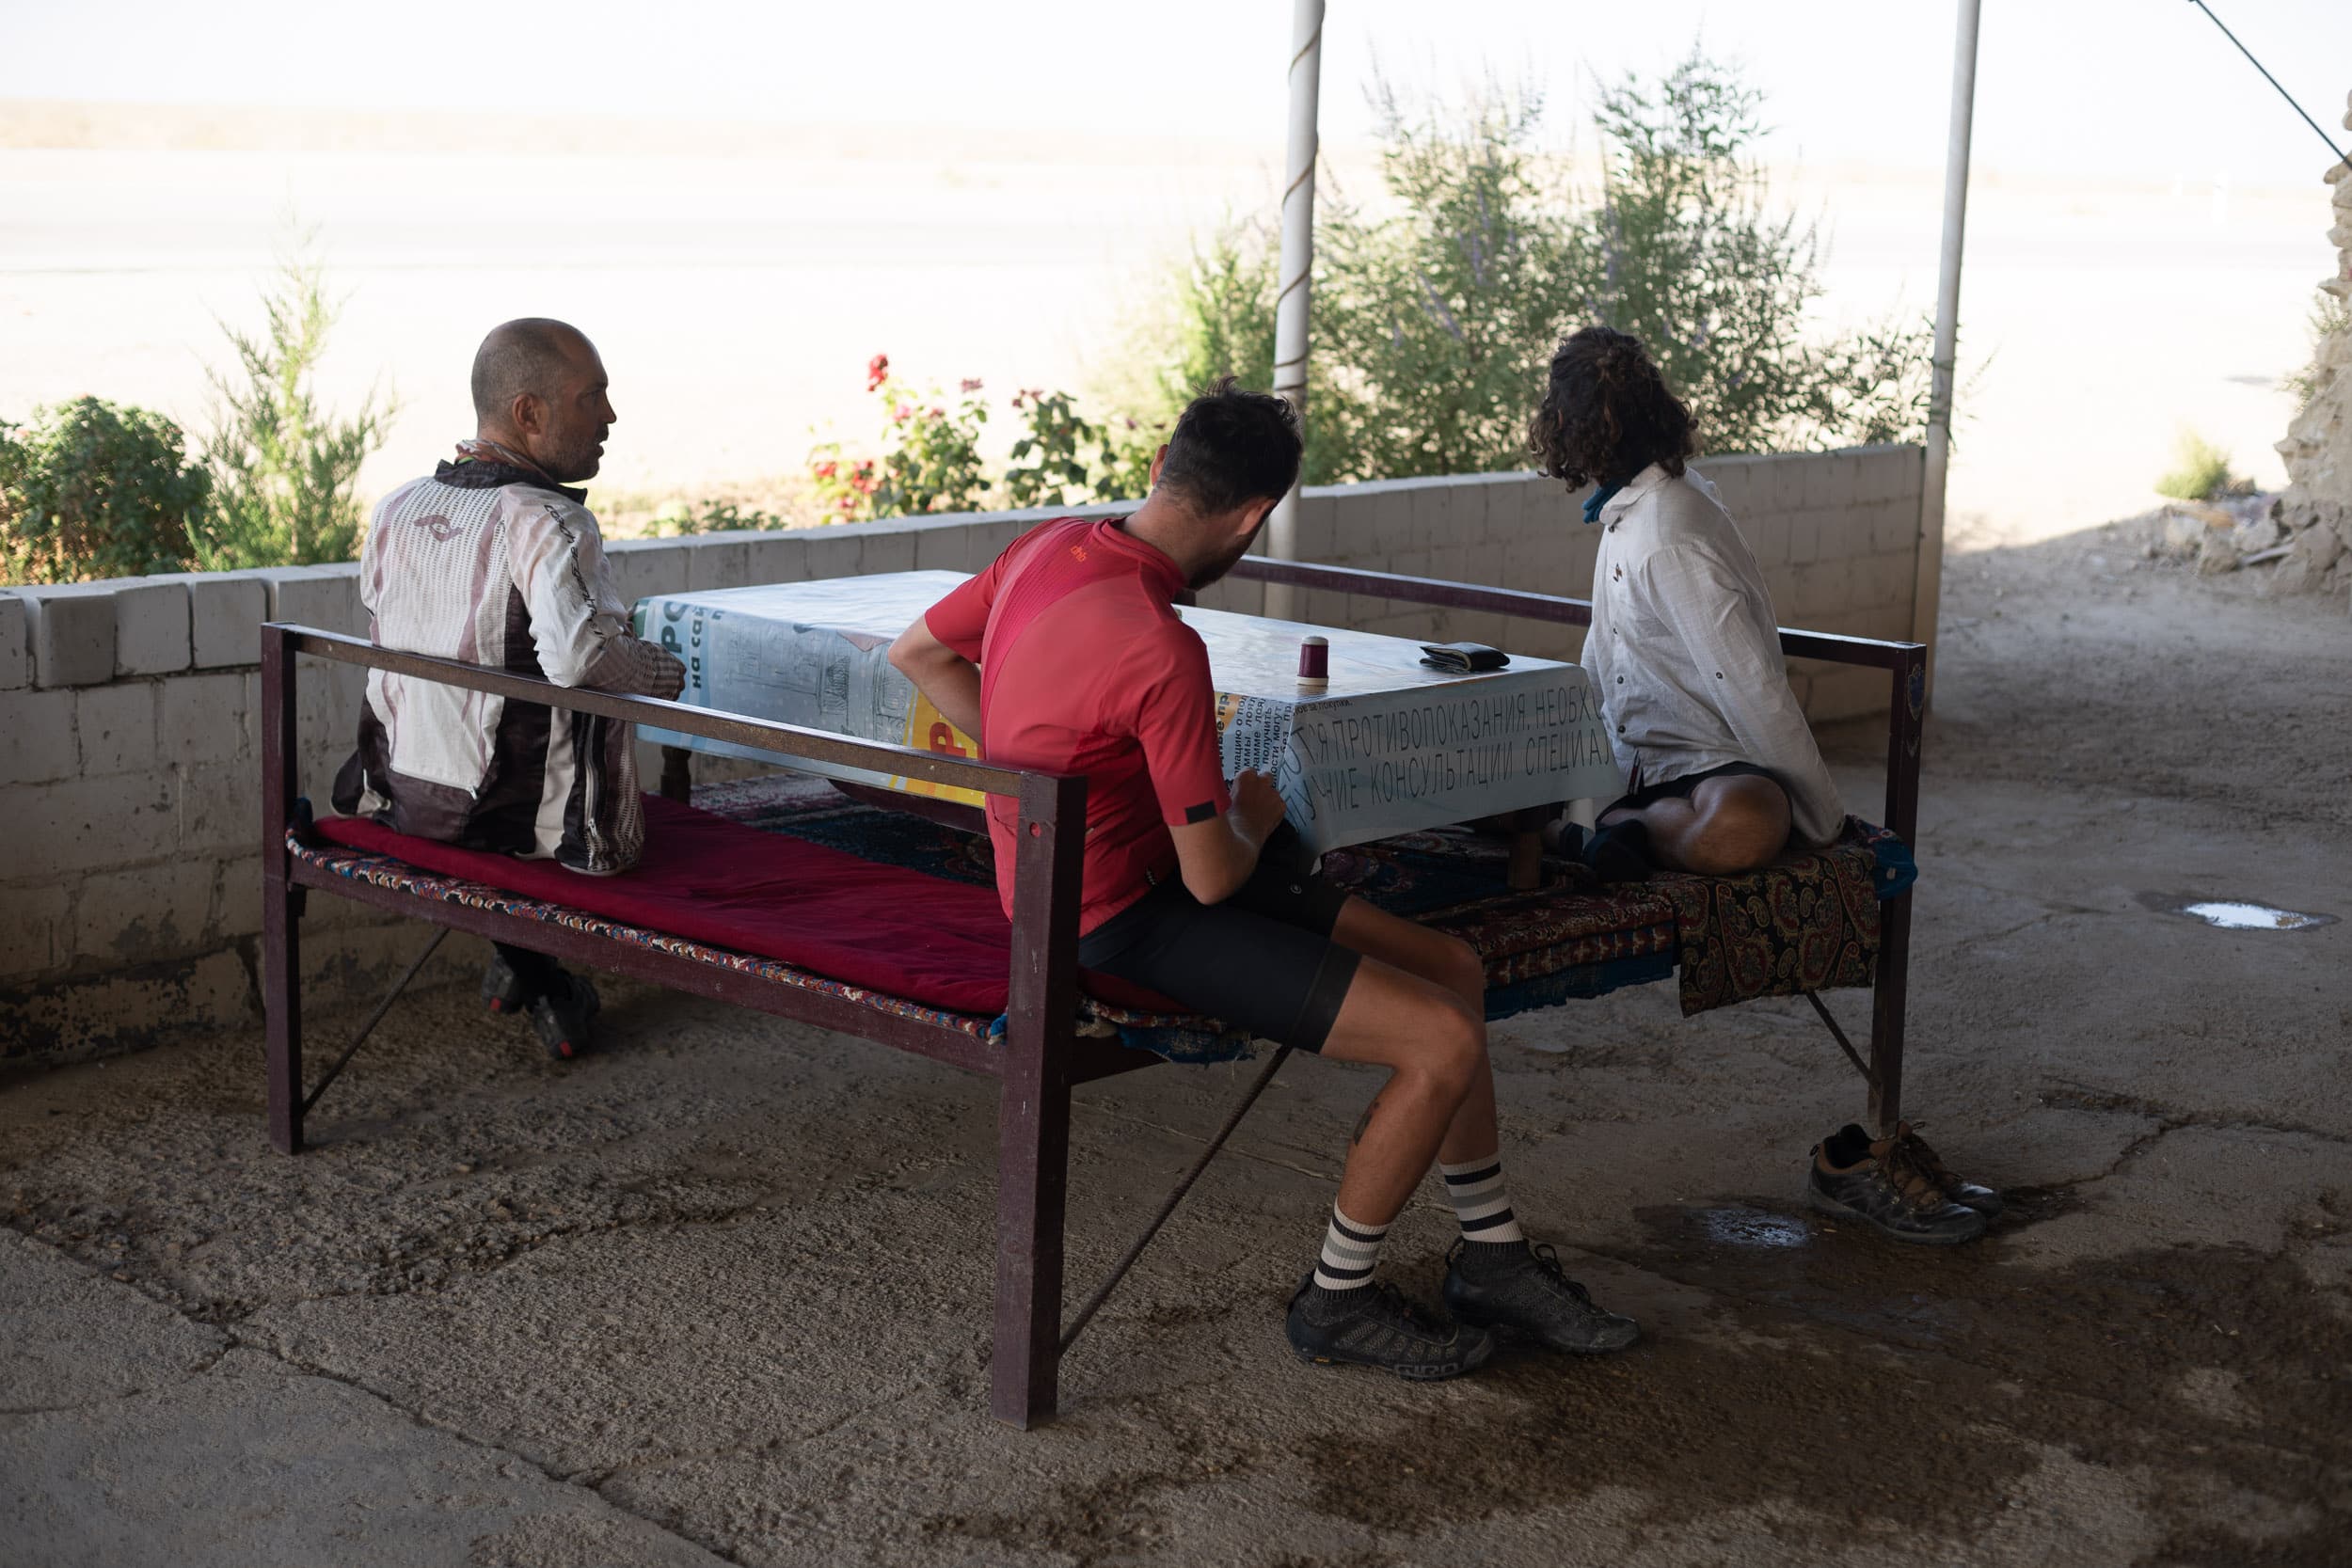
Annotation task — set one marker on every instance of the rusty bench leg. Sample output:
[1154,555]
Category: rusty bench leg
[1033,1114]
[1888,991]
[281,901]
[677,774]
[1032,1187]
[281,1002]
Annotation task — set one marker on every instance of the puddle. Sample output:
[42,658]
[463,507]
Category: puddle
[2231,914]
[1753,1228]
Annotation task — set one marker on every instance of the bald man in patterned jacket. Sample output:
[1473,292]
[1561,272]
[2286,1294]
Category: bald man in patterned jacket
[494,560]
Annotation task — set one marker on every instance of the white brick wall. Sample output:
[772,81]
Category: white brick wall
[130,730]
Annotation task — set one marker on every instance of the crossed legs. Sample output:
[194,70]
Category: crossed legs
[1725,826]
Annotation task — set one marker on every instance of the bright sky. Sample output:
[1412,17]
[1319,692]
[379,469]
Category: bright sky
[2138,89]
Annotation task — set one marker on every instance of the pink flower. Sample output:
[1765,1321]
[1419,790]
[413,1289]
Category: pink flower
[901,412]
[877,371]
[825,471]
[938,413]
[972,384]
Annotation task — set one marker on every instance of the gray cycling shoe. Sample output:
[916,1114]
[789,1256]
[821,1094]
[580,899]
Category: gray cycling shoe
[1373,1326]
[1520,1291]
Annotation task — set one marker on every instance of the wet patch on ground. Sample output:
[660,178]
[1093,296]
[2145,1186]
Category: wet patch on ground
[1883,1388]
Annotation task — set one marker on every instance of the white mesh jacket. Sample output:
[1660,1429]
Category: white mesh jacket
[490,561]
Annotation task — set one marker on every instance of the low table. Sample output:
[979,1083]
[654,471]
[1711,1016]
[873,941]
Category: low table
[1389,746]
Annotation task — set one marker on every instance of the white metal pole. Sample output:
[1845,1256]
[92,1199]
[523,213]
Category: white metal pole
[1297,262]
[1928,588]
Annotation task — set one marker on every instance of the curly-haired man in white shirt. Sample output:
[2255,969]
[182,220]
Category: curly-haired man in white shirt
[1723,772]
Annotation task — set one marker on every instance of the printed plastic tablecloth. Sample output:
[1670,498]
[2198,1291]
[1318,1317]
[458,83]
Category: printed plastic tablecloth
[1389,746]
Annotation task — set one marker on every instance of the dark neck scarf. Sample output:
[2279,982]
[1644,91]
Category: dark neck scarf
[1597,499]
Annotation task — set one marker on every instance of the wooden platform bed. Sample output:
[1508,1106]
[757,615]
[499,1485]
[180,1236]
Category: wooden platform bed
[1036,1049]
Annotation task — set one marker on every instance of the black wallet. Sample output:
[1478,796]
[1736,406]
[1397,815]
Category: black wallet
[1462,659]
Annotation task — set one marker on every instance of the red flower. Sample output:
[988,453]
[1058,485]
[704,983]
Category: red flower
[825,471]
[877,371]
[938,413]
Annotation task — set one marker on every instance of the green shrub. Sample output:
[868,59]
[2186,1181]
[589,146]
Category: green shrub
[1682,250]
[1434,315]
[90,489]
[2200,473]
[682,518]
[284,470]
[930,458]
[2328,317]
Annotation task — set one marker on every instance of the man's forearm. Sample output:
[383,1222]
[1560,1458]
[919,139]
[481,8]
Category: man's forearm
[953,686]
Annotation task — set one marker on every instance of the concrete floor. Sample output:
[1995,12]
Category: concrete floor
[720,1294]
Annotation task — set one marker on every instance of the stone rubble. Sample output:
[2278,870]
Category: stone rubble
[2315,513]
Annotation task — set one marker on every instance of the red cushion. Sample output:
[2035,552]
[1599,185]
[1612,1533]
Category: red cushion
[943,944]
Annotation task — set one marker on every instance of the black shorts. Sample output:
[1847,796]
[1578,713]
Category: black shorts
[1681,788]
[1263,959]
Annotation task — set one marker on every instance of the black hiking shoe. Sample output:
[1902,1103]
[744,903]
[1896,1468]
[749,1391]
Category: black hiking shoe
[504,990]
[1617,853]
[561,1016]
[1883,1184]
[1520,1291]
[1969,1194]
[1373,1326]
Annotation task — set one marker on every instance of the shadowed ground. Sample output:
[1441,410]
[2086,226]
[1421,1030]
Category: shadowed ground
[720,1293]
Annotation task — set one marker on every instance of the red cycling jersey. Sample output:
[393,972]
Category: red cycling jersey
[1085,668]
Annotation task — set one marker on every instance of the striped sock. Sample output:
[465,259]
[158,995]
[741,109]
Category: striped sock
[1349,1251]
[1480,1202]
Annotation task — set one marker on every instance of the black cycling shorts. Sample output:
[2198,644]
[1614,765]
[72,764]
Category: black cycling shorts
[1263,960]
[1683,787]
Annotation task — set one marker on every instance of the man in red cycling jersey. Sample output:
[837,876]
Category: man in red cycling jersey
[1067,656]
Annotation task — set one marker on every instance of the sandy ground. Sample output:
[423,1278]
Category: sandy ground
[719,1293]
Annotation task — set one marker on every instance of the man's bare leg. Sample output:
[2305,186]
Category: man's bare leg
[1448,962]
[1434,1048]
[1411,978]
[1722,828]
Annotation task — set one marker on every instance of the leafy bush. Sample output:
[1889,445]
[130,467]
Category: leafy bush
[2328,317]
[1434,316]
[680,518]
[283,470]
[90,489]
[930,459]
[1682,250]
[2201,472]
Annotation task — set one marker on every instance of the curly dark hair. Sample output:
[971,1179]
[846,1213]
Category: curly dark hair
[1608,413]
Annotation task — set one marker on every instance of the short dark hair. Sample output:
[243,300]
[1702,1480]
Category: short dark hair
[1608,413]
[1231,447]
[522,356]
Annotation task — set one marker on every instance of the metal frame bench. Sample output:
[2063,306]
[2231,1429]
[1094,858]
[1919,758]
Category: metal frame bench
[1040,1055]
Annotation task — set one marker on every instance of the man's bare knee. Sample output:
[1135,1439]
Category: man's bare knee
[1742,824]
[1461,970]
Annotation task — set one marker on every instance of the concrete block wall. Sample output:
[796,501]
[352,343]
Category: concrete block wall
[130,734]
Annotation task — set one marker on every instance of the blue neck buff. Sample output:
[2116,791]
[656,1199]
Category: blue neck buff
[1598,500]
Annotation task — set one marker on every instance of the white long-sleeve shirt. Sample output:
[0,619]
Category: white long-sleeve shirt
[1686,649]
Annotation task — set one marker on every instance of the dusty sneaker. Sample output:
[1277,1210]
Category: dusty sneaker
[1373,1326]
[561,1016]
[1520,1291]
[504,990]
[1971,1194]
[1883,1184]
